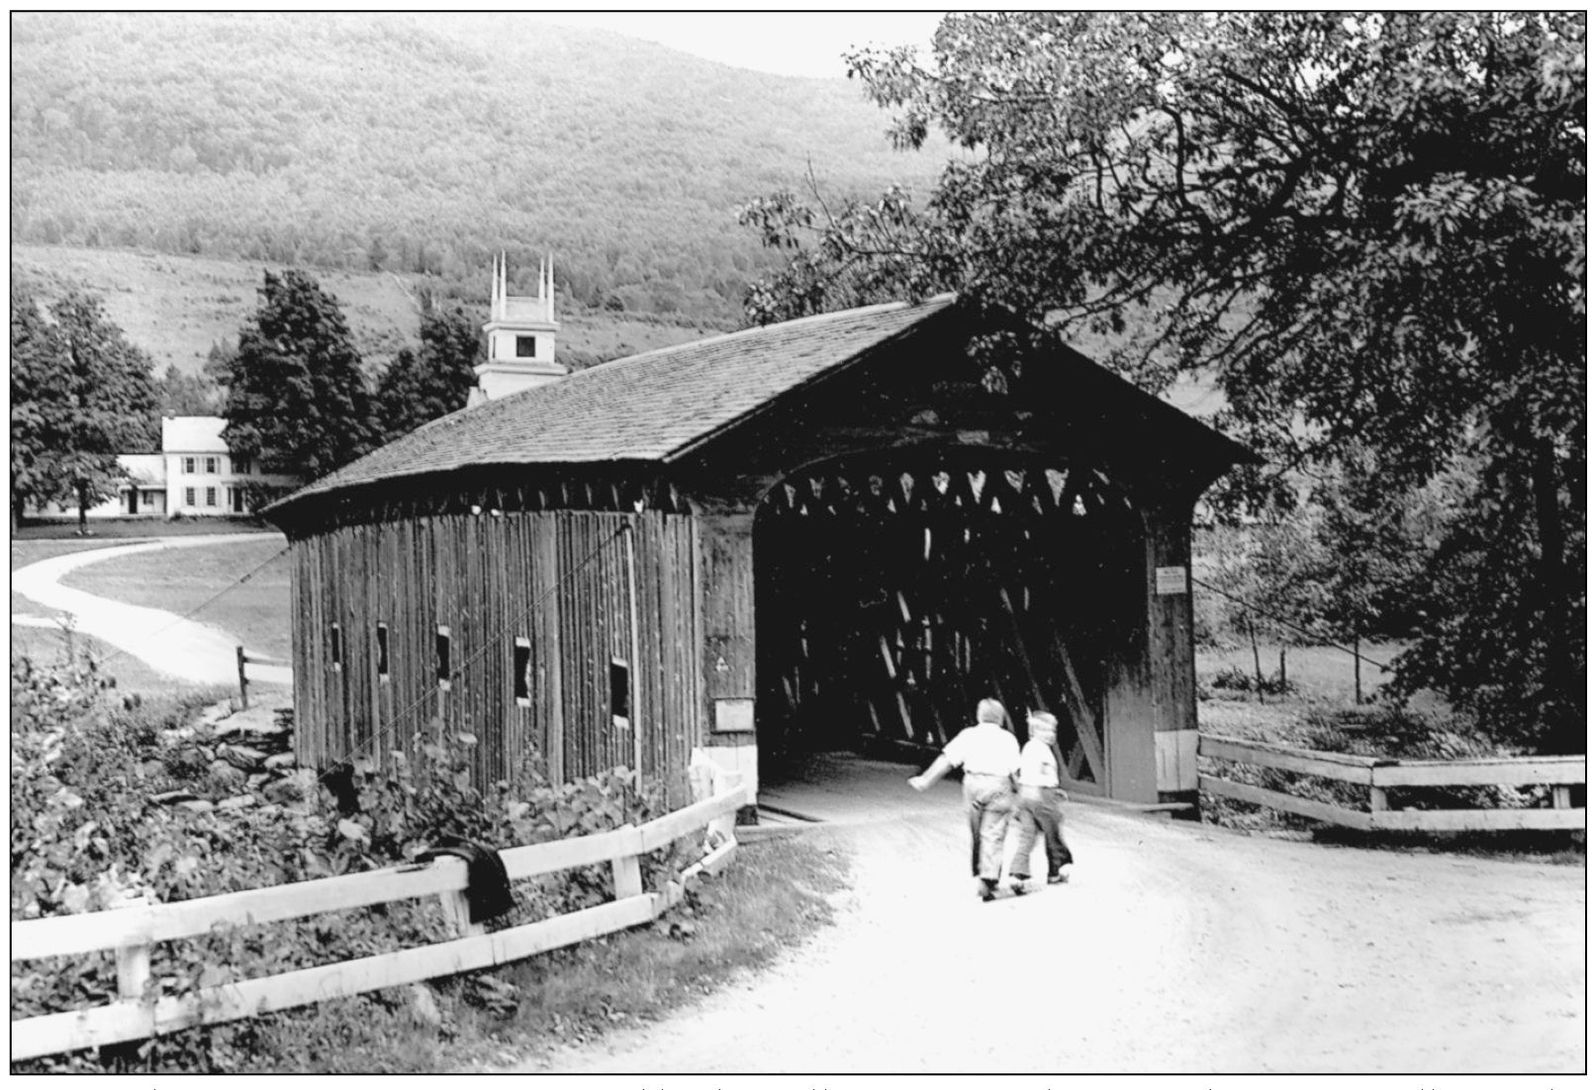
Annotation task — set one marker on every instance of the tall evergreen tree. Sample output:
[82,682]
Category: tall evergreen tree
[437,380]
[40,402]
[297,400]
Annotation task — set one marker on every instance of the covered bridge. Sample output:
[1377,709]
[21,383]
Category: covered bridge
[825,534]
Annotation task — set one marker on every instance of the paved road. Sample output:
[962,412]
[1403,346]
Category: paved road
[187,650]
[1176,948]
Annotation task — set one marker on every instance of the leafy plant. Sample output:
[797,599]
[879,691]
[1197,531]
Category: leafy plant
[86,835]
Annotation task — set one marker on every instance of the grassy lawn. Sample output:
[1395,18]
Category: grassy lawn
[1319,673]
[49,645]
[183,580]
[773,897]
[121,529]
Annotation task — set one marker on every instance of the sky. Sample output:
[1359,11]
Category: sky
[788,43]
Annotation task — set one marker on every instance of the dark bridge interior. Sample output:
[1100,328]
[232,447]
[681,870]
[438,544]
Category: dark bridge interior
[891,597]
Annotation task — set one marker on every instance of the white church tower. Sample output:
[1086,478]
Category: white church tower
[521,331]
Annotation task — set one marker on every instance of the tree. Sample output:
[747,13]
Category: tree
[40,400]
[81,393]
[182,394]
[437,380]
[297,401]
[1364,229]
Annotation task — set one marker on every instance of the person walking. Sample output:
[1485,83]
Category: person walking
[1037,804]
[990,757]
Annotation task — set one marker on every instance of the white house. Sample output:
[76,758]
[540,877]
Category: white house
[194,474]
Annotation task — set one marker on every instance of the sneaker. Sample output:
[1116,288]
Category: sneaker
[988,889]
[1057,879]
[1017,886]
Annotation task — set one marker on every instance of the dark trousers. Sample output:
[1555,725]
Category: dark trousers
[1037,811]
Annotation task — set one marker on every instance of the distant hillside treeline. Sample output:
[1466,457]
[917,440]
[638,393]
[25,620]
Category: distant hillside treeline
[423,144]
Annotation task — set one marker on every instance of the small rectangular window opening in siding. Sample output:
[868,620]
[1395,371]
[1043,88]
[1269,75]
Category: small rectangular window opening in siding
[523,671]
[337,646]
[620,694]
[382,652]
[444,668]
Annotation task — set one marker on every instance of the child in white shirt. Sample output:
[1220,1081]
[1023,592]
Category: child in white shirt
[1037,806]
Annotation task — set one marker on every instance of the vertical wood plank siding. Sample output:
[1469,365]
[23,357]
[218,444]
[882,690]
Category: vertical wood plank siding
[556,578]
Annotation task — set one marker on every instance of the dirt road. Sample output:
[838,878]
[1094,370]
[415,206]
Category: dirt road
[1175,948]
[180,648]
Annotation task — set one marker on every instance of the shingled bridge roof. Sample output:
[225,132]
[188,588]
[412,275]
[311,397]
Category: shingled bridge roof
[647,407]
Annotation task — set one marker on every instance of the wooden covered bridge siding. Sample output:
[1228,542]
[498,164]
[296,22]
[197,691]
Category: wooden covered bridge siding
[915,544]
[845,534]
[558,580]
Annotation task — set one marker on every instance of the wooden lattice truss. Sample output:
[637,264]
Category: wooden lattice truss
[891,600]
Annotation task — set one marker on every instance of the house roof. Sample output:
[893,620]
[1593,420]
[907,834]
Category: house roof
[192,435]
[648,407]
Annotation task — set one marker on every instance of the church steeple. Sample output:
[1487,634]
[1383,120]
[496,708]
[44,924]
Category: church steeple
[521,333]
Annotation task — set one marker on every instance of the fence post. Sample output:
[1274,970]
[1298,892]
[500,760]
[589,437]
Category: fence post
[1357,672]
[628,873]
[243,681]
[1562,796]
[457,911]
[1257,664]
[132,971]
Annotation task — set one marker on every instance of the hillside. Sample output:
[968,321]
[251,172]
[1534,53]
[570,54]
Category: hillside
[424,144]
[176,307]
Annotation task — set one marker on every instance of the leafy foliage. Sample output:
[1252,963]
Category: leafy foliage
[80,394]
[87,835]
[297,400]
[437,380]
[1366,230]
[246,134]
[183,394]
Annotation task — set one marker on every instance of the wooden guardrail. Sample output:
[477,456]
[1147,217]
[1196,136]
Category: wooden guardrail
[1378,774]
[130,932]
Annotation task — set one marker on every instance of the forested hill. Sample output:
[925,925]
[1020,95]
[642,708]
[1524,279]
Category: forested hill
[419,143]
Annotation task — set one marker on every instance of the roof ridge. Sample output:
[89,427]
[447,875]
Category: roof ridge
[807,319]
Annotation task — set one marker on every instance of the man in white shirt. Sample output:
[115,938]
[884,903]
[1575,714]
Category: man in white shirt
[990,757]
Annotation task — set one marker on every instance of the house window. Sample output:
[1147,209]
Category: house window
[620,694]
[210,497]
[188,465]
[241,465]
[238,500]
[523,671]
[337,645]
[382,652]
[188,497]
[444,669]
[526,347]
[210,465]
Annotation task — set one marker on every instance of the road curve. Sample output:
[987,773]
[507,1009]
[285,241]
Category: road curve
[1176,948]
[183,649]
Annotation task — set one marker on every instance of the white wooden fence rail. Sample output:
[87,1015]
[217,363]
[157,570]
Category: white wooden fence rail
[1377,774]
[131,931]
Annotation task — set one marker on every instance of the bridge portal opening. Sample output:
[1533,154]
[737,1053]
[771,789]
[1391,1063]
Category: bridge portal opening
[892,596]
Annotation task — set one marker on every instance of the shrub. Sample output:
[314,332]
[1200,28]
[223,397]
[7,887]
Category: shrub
[85,835]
